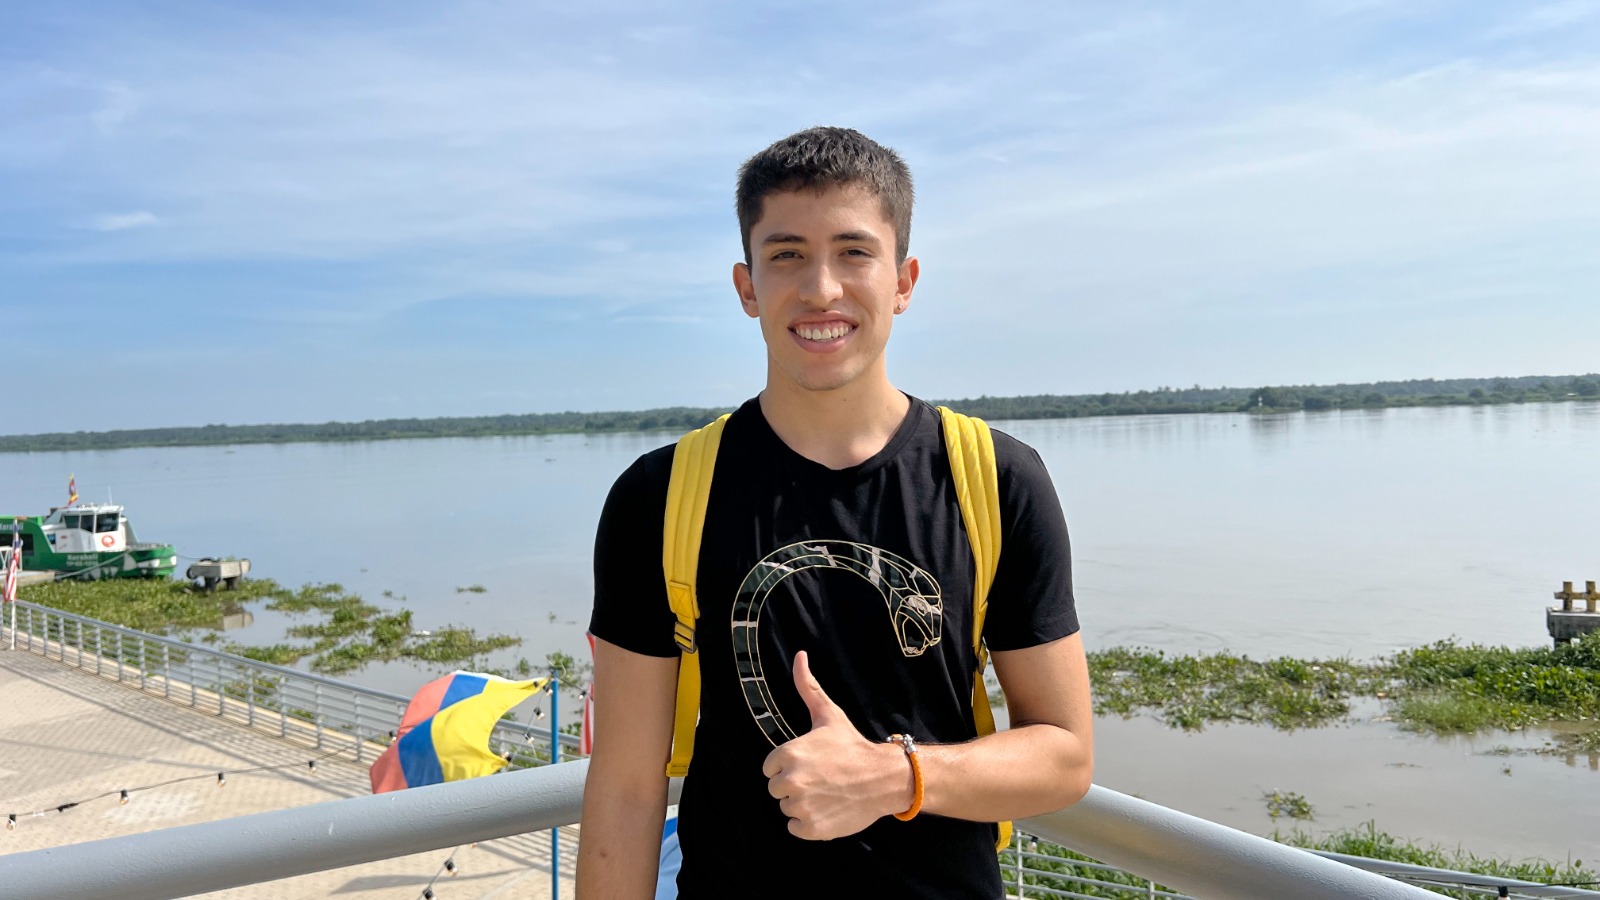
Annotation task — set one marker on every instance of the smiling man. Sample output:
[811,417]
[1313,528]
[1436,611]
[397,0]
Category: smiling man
[835,590]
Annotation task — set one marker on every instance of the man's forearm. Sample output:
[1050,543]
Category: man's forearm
[1024,771]
[620,850]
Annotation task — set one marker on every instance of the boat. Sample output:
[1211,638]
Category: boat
[88,540]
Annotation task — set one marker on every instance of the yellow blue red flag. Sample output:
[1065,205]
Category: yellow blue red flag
[72,489]
[444,735]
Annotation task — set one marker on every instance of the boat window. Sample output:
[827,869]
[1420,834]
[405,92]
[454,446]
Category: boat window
[107,522]
[70,521]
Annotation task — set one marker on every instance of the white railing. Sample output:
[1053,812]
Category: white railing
[1119,834]
[323,712]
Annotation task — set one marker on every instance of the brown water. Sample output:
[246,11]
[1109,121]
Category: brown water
[1328,534]
[1453,792]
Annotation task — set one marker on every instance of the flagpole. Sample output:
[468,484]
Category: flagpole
[555,759]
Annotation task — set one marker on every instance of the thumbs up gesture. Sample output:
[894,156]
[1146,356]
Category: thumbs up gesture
[831,781]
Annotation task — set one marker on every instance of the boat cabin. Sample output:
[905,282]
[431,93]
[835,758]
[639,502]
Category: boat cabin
[89,528]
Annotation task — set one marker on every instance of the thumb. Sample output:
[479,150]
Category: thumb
[823,710]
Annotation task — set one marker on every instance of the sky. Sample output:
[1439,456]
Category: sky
[305,212]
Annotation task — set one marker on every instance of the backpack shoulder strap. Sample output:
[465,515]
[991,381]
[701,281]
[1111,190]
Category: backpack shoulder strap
[693,461]
[970,447]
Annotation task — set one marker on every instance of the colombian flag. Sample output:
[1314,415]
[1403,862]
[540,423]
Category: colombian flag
[444,735]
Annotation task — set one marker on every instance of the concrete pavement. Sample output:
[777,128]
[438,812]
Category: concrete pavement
[67,736]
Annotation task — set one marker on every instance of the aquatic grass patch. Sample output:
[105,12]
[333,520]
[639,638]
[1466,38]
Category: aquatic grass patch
[1449,687]
[348,632]
[1367,841]
[1287,804]
[157,606]
[1191,692]
[1443,688]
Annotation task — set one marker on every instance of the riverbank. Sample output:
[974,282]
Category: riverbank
[1162,401]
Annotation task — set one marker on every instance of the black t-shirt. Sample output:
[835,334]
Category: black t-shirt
[867,568]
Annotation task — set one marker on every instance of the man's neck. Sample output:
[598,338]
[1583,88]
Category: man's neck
[838,429]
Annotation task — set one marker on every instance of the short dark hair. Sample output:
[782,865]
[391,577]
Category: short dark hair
[820,158]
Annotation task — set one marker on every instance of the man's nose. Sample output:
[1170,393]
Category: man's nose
[822,287]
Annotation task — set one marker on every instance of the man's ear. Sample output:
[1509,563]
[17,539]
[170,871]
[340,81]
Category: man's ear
[910,271]
[746,287]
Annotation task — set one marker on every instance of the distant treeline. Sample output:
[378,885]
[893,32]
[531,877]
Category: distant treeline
[1427,392]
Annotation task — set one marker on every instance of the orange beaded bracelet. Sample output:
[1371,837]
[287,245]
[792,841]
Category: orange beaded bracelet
[909,745]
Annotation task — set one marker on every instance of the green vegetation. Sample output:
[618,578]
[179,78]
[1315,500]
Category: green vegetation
[1425,392]
[349,634]
[1369,842]
[1441,688]
[1190,691]
[1286,803]
[1056,868]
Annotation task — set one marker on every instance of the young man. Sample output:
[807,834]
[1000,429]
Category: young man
[835,589]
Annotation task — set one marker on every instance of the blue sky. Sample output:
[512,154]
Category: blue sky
[309,212]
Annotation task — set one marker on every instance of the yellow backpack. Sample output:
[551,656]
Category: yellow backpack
[970,447]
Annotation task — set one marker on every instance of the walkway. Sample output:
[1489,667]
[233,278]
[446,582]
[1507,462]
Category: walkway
[68,735]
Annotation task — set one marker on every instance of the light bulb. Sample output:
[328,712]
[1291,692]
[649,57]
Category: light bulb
[124,799]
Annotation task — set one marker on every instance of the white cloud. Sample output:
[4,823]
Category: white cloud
[125,221]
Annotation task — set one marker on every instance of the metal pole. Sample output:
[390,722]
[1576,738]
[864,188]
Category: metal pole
[555,759]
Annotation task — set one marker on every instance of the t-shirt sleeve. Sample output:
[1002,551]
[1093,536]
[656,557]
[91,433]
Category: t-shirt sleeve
[630,592]
[1031,601]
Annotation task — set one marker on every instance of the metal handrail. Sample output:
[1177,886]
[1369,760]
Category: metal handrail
[1186,853]
[263,695]
[1190,854]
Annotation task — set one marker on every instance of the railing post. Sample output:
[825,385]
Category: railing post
[79,630]
[143,661]
[357,726]
[119,657]
[1016,848]
[99,649]
[250,699]
[316,710]
[283,710]
[166,672]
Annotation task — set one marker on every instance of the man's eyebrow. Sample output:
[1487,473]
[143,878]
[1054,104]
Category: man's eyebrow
[782,237]
[855,237]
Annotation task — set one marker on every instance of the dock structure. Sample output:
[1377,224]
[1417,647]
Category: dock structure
[71,741]
[1569,623]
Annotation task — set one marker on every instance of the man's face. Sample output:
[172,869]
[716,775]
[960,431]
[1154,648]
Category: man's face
[823,281]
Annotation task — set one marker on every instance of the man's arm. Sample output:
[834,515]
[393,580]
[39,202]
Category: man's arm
[1042,763]
[625,800]
[833,782]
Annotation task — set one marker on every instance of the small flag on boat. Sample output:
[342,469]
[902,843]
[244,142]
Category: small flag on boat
[72,489]
[13,563]
[444,734]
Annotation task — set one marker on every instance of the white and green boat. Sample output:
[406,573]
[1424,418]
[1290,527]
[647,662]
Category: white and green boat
[89,540]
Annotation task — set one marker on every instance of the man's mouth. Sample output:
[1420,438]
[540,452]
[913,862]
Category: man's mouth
[829,331]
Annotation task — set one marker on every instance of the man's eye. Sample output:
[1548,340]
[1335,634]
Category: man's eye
[786,254]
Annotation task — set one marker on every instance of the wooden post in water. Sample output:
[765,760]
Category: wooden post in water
[1568,624]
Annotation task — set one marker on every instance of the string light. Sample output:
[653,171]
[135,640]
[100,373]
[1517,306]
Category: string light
[450,867]
[538,712]
[427,894]
[125,795]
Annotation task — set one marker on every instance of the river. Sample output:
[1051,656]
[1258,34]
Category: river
[1350,533]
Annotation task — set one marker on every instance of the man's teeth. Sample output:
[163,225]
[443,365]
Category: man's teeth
[822,332]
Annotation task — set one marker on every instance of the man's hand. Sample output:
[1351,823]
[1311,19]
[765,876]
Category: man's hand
[832,782]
